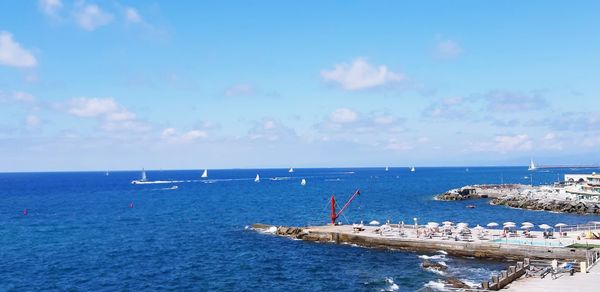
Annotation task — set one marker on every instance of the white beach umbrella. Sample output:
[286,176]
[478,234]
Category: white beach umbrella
[560,226]
[432,224]
[462,225]
[492,224]
[447,223]
[527,224]
[374,222]
[478,227]
[545,226]
[509,223]
[526,227]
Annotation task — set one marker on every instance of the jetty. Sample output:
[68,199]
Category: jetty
[564,198]
[414,238]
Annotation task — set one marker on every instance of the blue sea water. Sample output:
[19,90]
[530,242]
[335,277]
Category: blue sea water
[90,231]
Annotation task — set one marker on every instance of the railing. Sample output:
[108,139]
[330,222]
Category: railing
[580,227]
[592,258]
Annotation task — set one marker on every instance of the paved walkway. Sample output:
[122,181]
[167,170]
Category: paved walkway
[579,282]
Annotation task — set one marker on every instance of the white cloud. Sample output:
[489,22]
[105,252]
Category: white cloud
[112,115]
[239,89]
[12,54]
[343,116]
[50,7]
[395,145]
[509,101]
[505,143]
[32,121]
[270,130]
[93,107]
[132,15]
[91,16]
[171,135]
[18,97]
[447,49]
[552,141]
[448,108]
[361,75]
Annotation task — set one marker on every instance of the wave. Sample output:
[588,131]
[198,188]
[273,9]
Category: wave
[433,257]
[435,271]
[436,285]
[391,285]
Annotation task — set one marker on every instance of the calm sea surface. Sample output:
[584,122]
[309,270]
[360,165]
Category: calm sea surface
[90,231]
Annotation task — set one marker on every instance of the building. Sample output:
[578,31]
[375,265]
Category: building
[584,186]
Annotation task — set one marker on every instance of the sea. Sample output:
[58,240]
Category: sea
[93,231]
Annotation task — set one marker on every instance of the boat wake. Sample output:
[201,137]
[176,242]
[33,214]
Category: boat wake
[153,182]
[280,178]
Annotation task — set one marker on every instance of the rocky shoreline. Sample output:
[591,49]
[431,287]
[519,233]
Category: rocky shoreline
[545,198]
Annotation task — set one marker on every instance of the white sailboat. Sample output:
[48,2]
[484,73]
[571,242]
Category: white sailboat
[291,170]
[142,180]
[532,166]
[257,179]
[387,168]
[412,169]
[204,174]
[303,182]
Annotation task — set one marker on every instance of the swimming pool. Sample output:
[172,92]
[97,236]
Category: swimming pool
[529,242]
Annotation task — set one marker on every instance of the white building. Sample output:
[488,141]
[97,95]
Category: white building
[584,186]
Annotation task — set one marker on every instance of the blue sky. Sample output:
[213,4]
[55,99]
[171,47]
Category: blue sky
[93,85]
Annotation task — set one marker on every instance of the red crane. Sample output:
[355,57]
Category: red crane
[335,215]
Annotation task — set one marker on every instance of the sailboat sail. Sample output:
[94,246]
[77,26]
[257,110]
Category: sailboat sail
[144,176]
[257,179]
[532,165]
[205,173]
[303,182]
[291,170]
[412,169]
[387,168]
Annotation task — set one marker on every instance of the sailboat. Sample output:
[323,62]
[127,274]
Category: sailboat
[303,182]
[204,174]
[532,166]
[291,170]
[142,180]
[412,169]
[387,168]
[257,179]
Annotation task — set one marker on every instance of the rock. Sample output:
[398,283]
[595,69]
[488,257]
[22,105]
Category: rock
[429,264]
[260,226]
[456,283]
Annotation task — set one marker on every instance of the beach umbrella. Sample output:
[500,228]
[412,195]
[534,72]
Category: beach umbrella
[545,226]
[462,225]
[432,224]
[478,227]
[374,222]
[447,223]
[526,227]
[509,223]
[560,226]
[492,224]
[527,224]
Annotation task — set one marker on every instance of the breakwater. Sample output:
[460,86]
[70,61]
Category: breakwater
[546,198]
[371,236]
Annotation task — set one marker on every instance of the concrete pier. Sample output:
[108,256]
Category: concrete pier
[407,239]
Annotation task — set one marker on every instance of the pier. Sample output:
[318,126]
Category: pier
[411,238]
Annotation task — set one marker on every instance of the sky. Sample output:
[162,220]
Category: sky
[115,85]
